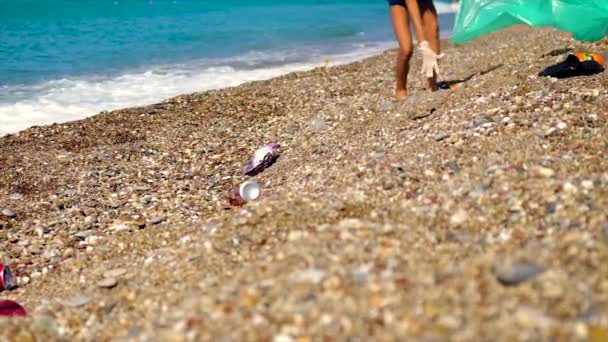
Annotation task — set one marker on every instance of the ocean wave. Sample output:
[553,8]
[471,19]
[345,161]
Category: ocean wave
[77,98]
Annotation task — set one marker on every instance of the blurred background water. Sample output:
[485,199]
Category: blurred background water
[63,60]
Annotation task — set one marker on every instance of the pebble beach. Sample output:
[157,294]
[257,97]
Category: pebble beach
[476,214]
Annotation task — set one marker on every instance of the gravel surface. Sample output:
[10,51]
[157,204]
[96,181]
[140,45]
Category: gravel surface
[477,214]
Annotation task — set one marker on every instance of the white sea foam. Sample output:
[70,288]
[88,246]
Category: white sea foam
[72,99]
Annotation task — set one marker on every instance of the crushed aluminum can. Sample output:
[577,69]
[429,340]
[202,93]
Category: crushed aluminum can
[246,192]
[262,159]
[7,281]
[9,308]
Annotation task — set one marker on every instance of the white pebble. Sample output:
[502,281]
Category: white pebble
[569,188]
[587,184]
[460,217]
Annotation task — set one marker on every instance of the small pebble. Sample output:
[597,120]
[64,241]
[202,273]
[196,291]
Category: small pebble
[107,283]
[115,273]
[550,132]
[77,301]
[68,252]
[157,219]
[8,212]
[441,136]
[569,188]
[311,275]
[460,217]
[587,184]
[15,197]
[377,155]
[543,171]
[518,273]
[283,338]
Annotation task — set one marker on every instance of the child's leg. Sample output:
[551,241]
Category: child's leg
[401,26]
[431,31]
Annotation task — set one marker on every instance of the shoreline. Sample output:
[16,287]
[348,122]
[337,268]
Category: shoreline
[71,97]
[378,221]
[205,74]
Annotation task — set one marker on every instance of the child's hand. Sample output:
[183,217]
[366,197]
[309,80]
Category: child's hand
[429,59]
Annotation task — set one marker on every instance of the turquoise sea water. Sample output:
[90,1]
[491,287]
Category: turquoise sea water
[66,59]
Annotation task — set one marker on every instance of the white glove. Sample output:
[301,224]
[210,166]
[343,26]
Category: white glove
[429,59]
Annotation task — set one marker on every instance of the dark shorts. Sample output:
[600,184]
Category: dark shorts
[396,3]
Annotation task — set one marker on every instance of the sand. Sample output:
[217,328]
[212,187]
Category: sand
[469,215]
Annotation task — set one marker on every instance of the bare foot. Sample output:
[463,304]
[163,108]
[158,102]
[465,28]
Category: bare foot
[401,94]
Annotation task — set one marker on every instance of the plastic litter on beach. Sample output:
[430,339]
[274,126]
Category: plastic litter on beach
[448,85]
[9,308]
[579,64]
[246,192]
[585,19]
[455,84]
[557,52]
[7,281]
[262,159]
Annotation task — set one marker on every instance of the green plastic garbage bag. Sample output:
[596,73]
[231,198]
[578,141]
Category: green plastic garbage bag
[586,19]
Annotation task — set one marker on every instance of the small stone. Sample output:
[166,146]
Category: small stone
[562,125]
[141,187]
[311,275]
[157,219]
[543,171]
[83,234]
[36,274]
[587,184]
[550,132]
[441,136]
[569,188]
[8,212]
[122,227]
[377,155]
[15,197]
[460,217]
[77,301]
[115,273]
[360,275]
[89,220]
[283,338]
[107,283]
[68,252]
[453,166]
[518,273]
